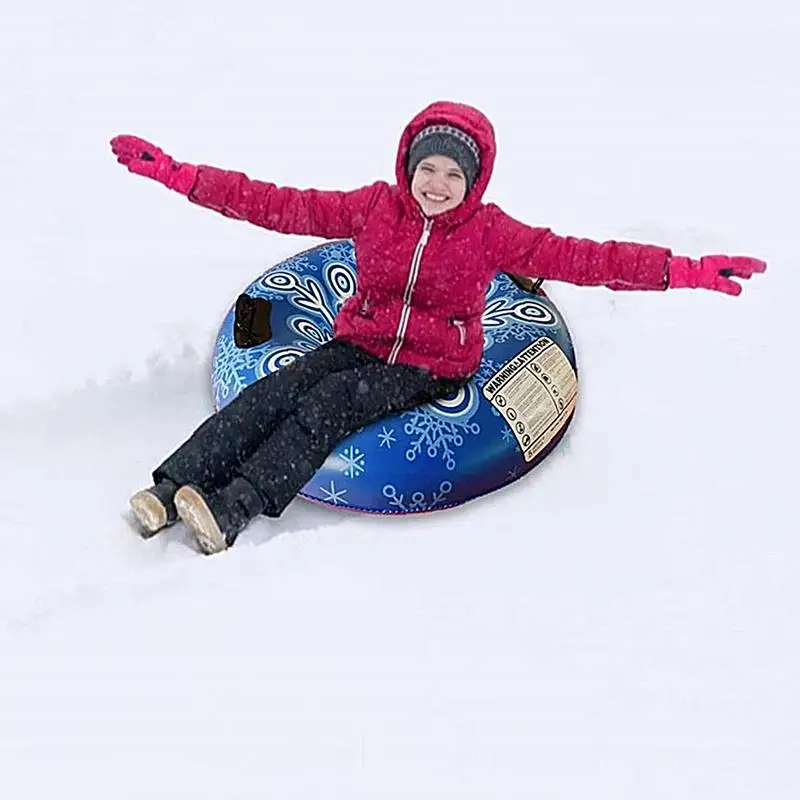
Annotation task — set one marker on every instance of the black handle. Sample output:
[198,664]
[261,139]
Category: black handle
[251,325]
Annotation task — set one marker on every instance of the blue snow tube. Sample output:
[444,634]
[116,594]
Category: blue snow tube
[505,421]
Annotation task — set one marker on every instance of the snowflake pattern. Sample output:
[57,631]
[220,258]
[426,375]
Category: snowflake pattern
[432,433]
[341,251]
[231,368]
[513,329]
[332,494]
[386,437]
[353,462]
[417,501]
[486,370]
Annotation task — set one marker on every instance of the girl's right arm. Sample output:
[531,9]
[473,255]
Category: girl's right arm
[327,214]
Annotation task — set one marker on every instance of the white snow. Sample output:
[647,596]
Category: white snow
[620,625]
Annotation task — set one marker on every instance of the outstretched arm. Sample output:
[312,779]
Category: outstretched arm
[328,214]
[540,253]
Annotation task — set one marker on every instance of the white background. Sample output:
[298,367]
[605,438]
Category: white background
[621,624]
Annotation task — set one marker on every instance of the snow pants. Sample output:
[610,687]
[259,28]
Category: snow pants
[278,432]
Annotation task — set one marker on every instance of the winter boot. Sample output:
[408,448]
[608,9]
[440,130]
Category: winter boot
[154,508]
[216,519]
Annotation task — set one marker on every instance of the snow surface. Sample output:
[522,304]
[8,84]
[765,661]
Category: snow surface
[622,624]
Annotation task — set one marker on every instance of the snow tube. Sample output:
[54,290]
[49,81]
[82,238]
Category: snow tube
[505,421]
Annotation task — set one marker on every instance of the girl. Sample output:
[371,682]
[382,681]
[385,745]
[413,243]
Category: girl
[426,249]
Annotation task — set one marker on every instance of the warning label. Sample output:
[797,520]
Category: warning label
[535,392]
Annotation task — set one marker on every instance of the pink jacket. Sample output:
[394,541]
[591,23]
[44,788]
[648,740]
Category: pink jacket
[422,281]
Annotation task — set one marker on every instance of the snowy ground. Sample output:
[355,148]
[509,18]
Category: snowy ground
[620,625]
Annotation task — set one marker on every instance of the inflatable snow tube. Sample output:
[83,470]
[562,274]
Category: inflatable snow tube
[505,421]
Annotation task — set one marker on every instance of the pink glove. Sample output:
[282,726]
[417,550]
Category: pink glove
[143,158]
[712,272]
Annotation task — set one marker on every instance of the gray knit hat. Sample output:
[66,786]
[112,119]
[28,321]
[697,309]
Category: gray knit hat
[446,140]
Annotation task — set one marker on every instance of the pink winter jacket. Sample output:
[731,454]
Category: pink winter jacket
[422,281]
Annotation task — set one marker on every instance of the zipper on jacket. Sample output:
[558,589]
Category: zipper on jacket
[462,330]
[409,292]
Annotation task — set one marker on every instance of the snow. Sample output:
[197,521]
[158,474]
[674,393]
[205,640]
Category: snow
[620,624]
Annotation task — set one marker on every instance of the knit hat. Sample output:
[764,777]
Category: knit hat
[446,140]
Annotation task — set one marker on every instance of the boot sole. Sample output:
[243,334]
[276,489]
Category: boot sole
[149,512]
[196,514]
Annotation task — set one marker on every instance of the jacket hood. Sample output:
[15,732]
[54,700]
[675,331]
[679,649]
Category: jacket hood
[469,120]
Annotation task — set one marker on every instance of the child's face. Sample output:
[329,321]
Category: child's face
[438,185]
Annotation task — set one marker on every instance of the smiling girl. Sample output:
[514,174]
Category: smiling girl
[427,248]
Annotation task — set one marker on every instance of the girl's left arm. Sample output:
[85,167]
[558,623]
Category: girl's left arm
[539,253]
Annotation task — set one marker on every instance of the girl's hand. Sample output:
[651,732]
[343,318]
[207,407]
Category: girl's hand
[712,272]
[143,158]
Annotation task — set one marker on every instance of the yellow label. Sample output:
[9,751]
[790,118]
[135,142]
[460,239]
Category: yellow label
[535,392]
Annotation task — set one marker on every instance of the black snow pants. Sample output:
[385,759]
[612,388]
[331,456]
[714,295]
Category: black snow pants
[278,432]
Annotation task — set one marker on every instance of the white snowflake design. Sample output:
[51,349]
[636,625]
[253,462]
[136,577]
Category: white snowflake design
[417,501]
[230,369]
[486,370]
[432,433]
[353,462]
[387,437]
[332,494]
